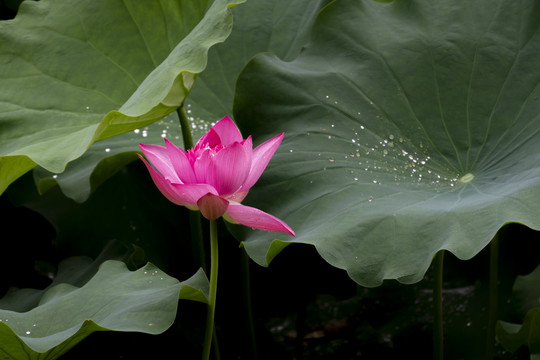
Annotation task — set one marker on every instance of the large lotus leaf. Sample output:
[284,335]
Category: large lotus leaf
[73,73]
[410,127]
[115,299]
[254,31]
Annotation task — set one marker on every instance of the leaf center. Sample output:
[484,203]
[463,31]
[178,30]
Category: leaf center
[467,178]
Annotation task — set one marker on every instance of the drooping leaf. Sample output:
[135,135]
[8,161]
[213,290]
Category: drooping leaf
[254,31]
[527,299]
[72,73]
[526,291]
[513,336]
[195,288]
[115,299]
[410,127]
[104,158]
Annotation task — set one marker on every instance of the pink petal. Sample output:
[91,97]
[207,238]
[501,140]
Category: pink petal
[212,206]
[256,218]
[230,167]
[211,139]
[261,157]
[159,157]
[180,163]
[180,194]
[202,165]
[227,131]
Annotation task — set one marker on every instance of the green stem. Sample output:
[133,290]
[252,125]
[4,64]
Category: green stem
[246,288]
[438,332]
[493,295]
[213,290]
[186,129]
[197,239]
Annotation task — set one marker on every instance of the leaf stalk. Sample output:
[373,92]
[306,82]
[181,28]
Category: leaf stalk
[207,345]
[438,331]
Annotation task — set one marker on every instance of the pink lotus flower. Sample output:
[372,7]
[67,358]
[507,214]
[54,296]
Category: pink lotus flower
[216,175]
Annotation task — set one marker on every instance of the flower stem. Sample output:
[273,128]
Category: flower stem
[207,345]
[493,295]
[438,332]
[197,240]
[246,288]
[186,130]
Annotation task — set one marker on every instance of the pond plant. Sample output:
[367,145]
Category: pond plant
[396,145]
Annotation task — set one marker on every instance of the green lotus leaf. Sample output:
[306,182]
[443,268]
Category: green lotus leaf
[72,73]
[104,158]
[526,293]
[195,288]
[211,98]
[513,336]
[114,299]
[410,127]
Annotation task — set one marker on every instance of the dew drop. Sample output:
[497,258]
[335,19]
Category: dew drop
[28,333]
[107,150]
